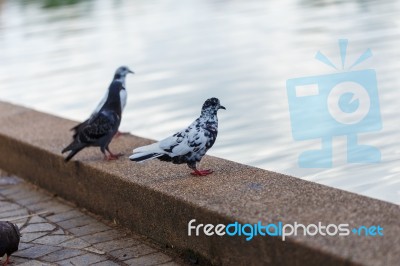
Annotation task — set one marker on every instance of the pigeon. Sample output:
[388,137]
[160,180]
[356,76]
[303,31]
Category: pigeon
[189,145]
[99,129]
[9,239]
[119,77]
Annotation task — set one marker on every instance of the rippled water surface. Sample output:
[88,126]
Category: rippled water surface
[61,58]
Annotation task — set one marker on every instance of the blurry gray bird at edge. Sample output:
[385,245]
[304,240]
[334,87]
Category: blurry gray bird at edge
[9,240]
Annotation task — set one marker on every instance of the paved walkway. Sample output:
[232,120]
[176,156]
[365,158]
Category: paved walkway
[62,234]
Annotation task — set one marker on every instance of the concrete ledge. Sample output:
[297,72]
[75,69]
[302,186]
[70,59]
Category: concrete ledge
[158,199]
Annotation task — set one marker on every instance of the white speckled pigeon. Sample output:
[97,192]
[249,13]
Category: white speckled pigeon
[119,78]
[99,130]
[9,239]
[189,145]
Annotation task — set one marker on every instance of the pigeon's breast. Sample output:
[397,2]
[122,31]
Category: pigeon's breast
[123,95]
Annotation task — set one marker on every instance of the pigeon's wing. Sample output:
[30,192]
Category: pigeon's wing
[78,127]
[100,105]
[189,140]
[103,124]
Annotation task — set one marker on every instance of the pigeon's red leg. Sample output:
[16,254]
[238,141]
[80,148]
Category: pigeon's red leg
[7,261]
[202,172]
[207,172]
[112,156]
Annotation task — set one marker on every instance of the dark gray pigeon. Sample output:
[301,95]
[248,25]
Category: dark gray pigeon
[119,77]
[189,145]
[9,239]
[99,130]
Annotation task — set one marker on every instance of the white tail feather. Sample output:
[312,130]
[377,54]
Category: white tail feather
[135,156]
[152,148]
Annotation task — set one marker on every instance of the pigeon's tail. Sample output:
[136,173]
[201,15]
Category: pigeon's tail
[142,157]
[74,148]
[146,153]
[76,128]
[72,154]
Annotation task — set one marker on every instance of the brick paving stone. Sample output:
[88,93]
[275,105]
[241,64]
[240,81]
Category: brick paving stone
[62,254]
[86,259]
[66,235]
[36,263]
[64,216]
[49,205]
[18,261]
[36,251]
[37,220]
[52,239]
[11,190]
[13,213]
[6,206]
[132,252]
[75,243]
[117,244]
[59,231]
[106,263]
[89,229]
[23,246]
[29,237]
[151,259]
[102,237]
[31,200]
[76,222]
[43,227]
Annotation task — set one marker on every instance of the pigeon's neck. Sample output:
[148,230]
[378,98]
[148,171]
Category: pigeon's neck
[208,112]
[209,116]
[113,100]
[119,78]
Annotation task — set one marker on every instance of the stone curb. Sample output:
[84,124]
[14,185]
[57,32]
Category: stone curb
[158,199]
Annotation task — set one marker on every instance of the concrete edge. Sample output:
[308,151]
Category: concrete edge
[159,205]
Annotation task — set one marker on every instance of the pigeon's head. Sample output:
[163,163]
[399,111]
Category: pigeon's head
[211,106]
[122,71]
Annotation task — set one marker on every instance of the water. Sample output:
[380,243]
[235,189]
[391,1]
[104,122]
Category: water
[61,58]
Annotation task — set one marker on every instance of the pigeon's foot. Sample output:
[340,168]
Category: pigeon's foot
[112,156]
[202,172]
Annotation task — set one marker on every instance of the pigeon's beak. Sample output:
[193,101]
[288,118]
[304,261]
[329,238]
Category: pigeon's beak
[222,107]
[130,71]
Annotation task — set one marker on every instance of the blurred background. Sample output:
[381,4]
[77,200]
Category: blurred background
[59,56]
